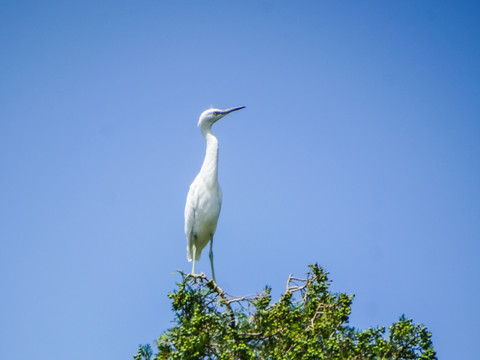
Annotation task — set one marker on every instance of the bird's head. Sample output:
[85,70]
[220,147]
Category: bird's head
[211,116]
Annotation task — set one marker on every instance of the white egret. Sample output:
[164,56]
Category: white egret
[204,198]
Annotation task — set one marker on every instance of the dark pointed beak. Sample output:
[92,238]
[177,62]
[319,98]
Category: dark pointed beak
[228,111]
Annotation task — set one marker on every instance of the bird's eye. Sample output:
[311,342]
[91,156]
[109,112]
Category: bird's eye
[215,113]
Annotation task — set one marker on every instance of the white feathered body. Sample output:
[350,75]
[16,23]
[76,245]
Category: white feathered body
[204,201]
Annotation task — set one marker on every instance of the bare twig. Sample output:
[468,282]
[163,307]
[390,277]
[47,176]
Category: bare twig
[212,285]
[294,284]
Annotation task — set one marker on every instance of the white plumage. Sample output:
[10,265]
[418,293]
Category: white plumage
[204,199]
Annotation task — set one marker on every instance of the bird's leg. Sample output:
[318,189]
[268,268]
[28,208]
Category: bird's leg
[211,259]
[193,259]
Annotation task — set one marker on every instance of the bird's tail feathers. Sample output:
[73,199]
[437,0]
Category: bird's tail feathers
[190,254]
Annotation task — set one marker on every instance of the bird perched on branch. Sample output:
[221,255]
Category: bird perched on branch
[204,198]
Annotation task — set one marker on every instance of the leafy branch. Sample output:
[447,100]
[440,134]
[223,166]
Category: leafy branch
[307,322]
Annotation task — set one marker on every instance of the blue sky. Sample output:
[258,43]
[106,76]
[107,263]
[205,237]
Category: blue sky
[359,149]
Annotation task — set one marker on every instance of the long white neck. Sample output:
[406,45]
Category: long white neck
[209,170]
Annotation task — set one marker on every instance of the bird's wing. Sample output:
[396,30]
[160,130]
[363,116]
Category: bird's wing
[190,209]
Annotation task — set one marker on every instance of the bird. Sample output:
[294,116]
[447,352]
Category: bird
[204,199]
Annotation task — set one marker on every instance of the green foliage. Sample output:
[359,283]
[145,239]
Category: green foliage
[307,322]
[144,352]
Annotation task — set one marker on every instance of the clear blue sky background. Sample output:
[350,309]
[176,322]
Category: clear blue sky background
[359,149]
